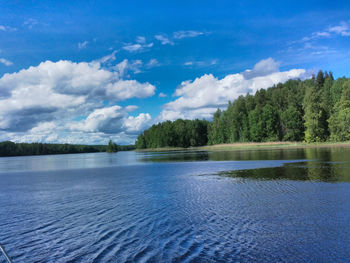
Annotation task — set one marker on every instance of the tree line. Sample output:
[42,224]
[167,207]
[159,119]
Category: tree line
[8,148]
[313,110]
[179,133]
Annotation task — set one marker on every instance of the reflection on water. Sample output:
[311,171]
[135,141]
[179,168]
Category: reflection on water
[326,154]
[317,171]
[266,206]
[323,164]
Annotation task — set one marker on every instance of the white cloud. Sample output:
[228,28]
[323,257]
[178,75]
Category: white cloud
[162,95]
[83,44]
[30,23]
[57,92]
[7,28]
[201,63]
[105,120]
[141,39]
[152,63]
[135,66]
[122,67]
[262,68]
[6,62]
[110,120]
[134,125]
[126,89]
[126,65]
[132,47]
[342,29]
[108,58]
[131,108]
[201,97]
[137,47]
[187,34]
[164,40]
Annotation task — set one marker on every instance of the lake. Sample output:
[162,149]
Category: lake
[288,205]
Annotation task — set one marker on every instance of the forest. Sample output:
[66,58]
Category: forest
[180,133]
[8,148]
[312,110]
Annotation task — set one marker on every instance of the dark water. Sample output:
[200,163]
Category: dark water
[251,206]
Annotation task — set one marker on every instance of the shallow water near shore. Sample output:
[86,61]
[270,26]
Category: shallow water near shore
[286,205]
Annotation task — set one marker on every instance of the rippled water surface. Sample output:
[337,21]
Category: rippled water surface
[244,206]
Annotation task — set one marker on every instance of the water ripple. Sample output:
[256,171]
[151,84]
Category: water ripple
[165,212]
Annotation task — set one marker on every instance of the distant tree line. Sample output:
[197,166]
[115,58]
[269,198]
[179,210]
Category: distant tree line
[8,148]
[180,133]
[313,110]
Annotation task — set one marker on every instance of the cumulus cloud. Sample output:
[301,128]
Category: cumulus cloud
[201,97]
[105,120]
[6,62]
[126,89]
[134,125]
[262,68]
[111,120]
[162,95]
[53,93]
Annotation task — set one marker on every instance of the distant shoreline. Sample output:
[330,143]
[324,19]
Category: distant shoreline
[9,149]
[252,146]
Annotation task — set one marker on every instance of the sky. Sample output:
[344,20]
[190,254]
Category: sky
[89,71]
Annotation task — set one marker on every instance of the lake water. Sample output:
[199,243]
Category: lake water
[245,206]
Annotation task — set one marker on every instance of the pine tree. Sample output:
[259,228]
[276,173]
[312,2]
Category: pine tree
[339,122]
[315,119]
[320,79]
[112,147]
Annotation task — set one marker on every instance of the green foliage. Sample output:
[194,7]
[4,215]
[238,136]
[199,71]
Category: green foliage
[313,110]
[270,121]
[339,122]
[315,115]
[180,133]
[292,124]
[9,148]
[112,147]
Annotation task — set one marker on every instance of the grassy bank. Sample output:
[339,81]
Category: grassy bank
[252,146]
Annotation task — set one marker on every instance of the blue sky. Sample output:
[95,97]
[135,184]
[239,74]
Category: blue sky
[86,71]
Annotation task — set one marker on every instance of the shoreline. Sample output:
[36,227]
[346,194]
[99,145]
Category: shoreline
[251,146]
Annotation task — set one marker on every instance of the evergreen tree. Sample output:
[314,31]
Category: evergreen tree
[309,110]
[270,122]
[112,147]
[320,79]
[339,122]
[315,117]
[256,126]
[292,125]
